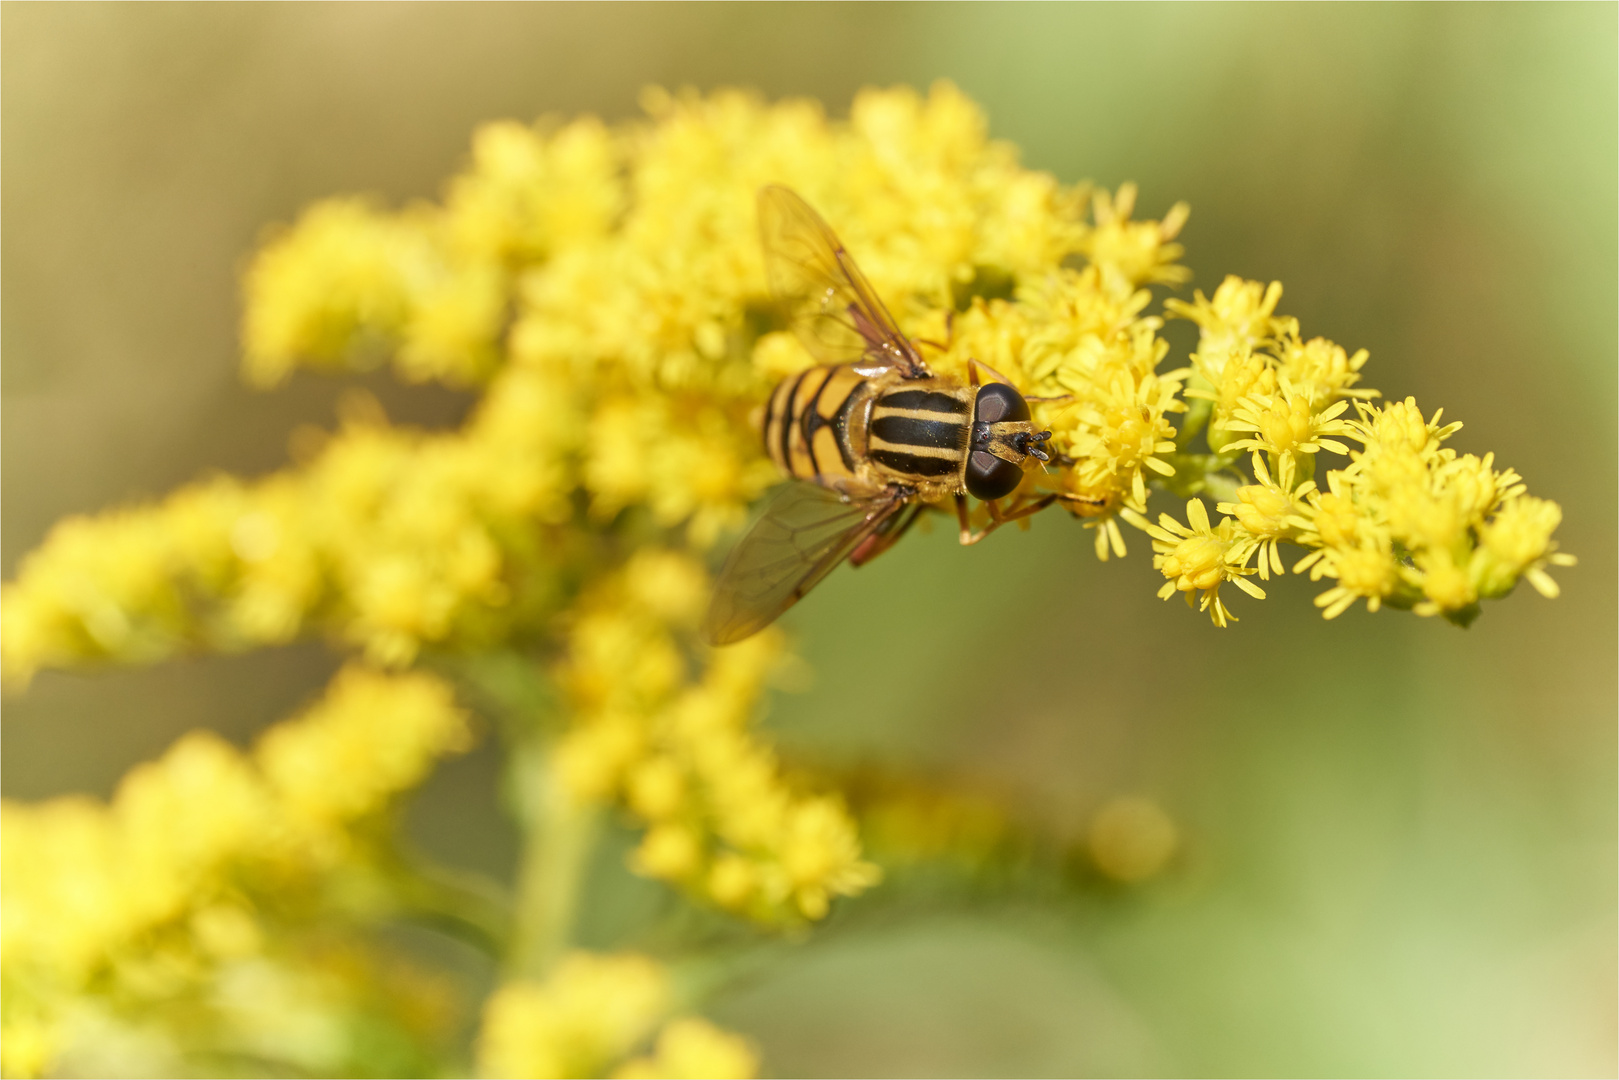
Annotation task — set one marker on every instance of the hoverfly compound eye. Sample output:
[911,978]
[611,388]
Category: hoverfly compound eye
[990,477]
[998,402]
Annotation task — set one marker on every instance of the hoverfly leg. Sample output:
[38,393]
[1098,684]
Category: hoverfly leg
[867,550]
[968,538]
[997,517]
[975,366]
[1081,505]
[885,538]
[1033,506]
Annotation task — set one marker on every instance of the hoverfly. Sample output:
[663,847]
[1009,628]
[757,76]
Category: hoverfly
[869,438]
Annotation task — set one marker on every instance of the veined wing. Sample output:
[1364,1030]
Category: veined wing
[832,306]
[804,532]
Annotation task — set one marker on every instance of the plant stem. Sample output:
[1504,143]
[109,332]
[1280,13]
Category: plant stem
[463,904]
[558,834]
[1213,475]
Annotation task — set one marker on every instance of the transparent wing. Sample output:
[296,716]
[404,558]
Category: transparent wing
[831,305]
[804,532]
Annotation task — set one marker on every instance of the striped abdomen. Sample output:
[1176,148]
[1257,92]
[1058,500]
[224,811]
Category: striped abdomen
[835,426]
[809,423]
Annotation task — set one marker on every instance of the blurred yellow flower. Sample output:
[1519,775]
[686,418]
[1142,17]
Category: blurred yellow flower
[590,1014]
[1131,839]
[693,1049]
[371,737]
[171,890]
[673,745]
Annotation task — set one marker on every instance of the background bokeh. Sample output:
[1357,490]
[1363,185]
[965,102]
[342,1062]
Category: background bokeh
[1399,836]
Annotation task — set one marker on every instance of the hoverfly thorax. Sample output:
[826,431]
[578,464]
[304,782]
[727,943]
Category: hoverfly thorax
[1003,439]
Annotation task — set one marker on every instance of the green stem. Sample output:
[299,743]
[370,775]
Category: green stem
[558,835]
[1196,416]
[1222,486]
[463,904]
[1213,475]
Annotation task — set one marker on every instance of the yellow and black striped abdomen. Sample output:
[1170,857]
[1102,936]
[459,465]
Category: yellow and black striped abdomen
[920,432]
[837,427]
[810,422]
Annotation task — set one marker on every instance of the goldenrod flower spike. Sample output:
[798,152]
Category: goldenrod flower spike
[674,747]
[203,869]
[601,289]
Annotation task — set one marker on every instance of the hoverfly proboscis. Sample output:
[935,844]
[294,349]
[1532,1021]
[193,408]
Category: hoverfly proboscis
[869,437]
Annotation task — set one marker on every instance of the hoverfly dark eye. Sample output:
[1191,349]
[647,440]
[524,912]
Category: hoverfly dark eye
[997,402]
[989,477]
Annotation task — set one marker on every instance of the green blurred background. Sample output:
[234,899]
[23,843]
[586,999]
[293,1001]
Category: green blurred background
[1400,836]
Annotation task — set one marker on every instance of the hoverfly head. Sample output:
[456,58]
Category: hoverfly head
[1003,439]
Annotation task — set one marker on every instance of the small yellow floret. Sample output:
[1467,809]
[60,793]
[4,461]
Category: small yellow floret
[1198,559]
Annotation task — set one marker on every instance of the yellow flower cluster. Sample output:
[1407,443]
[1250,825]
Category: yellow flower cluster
[430,288]
[626,261]
[590,1017]
[371,737]
[1080,338]
[676,750]
[171,892]
[389,540]
[1407,522]
[607,286]
[1412,524]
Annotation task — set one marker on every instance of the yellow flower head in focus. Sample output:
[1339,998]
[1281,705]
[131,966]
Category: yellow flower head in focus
[1199,558]
[1271,511]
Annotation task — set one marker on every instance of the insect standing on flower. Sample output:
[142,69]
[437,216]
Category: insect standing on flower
[870,437]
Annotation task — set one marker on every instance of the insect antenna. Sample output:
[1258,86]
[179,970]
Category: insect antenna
[1030,444]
